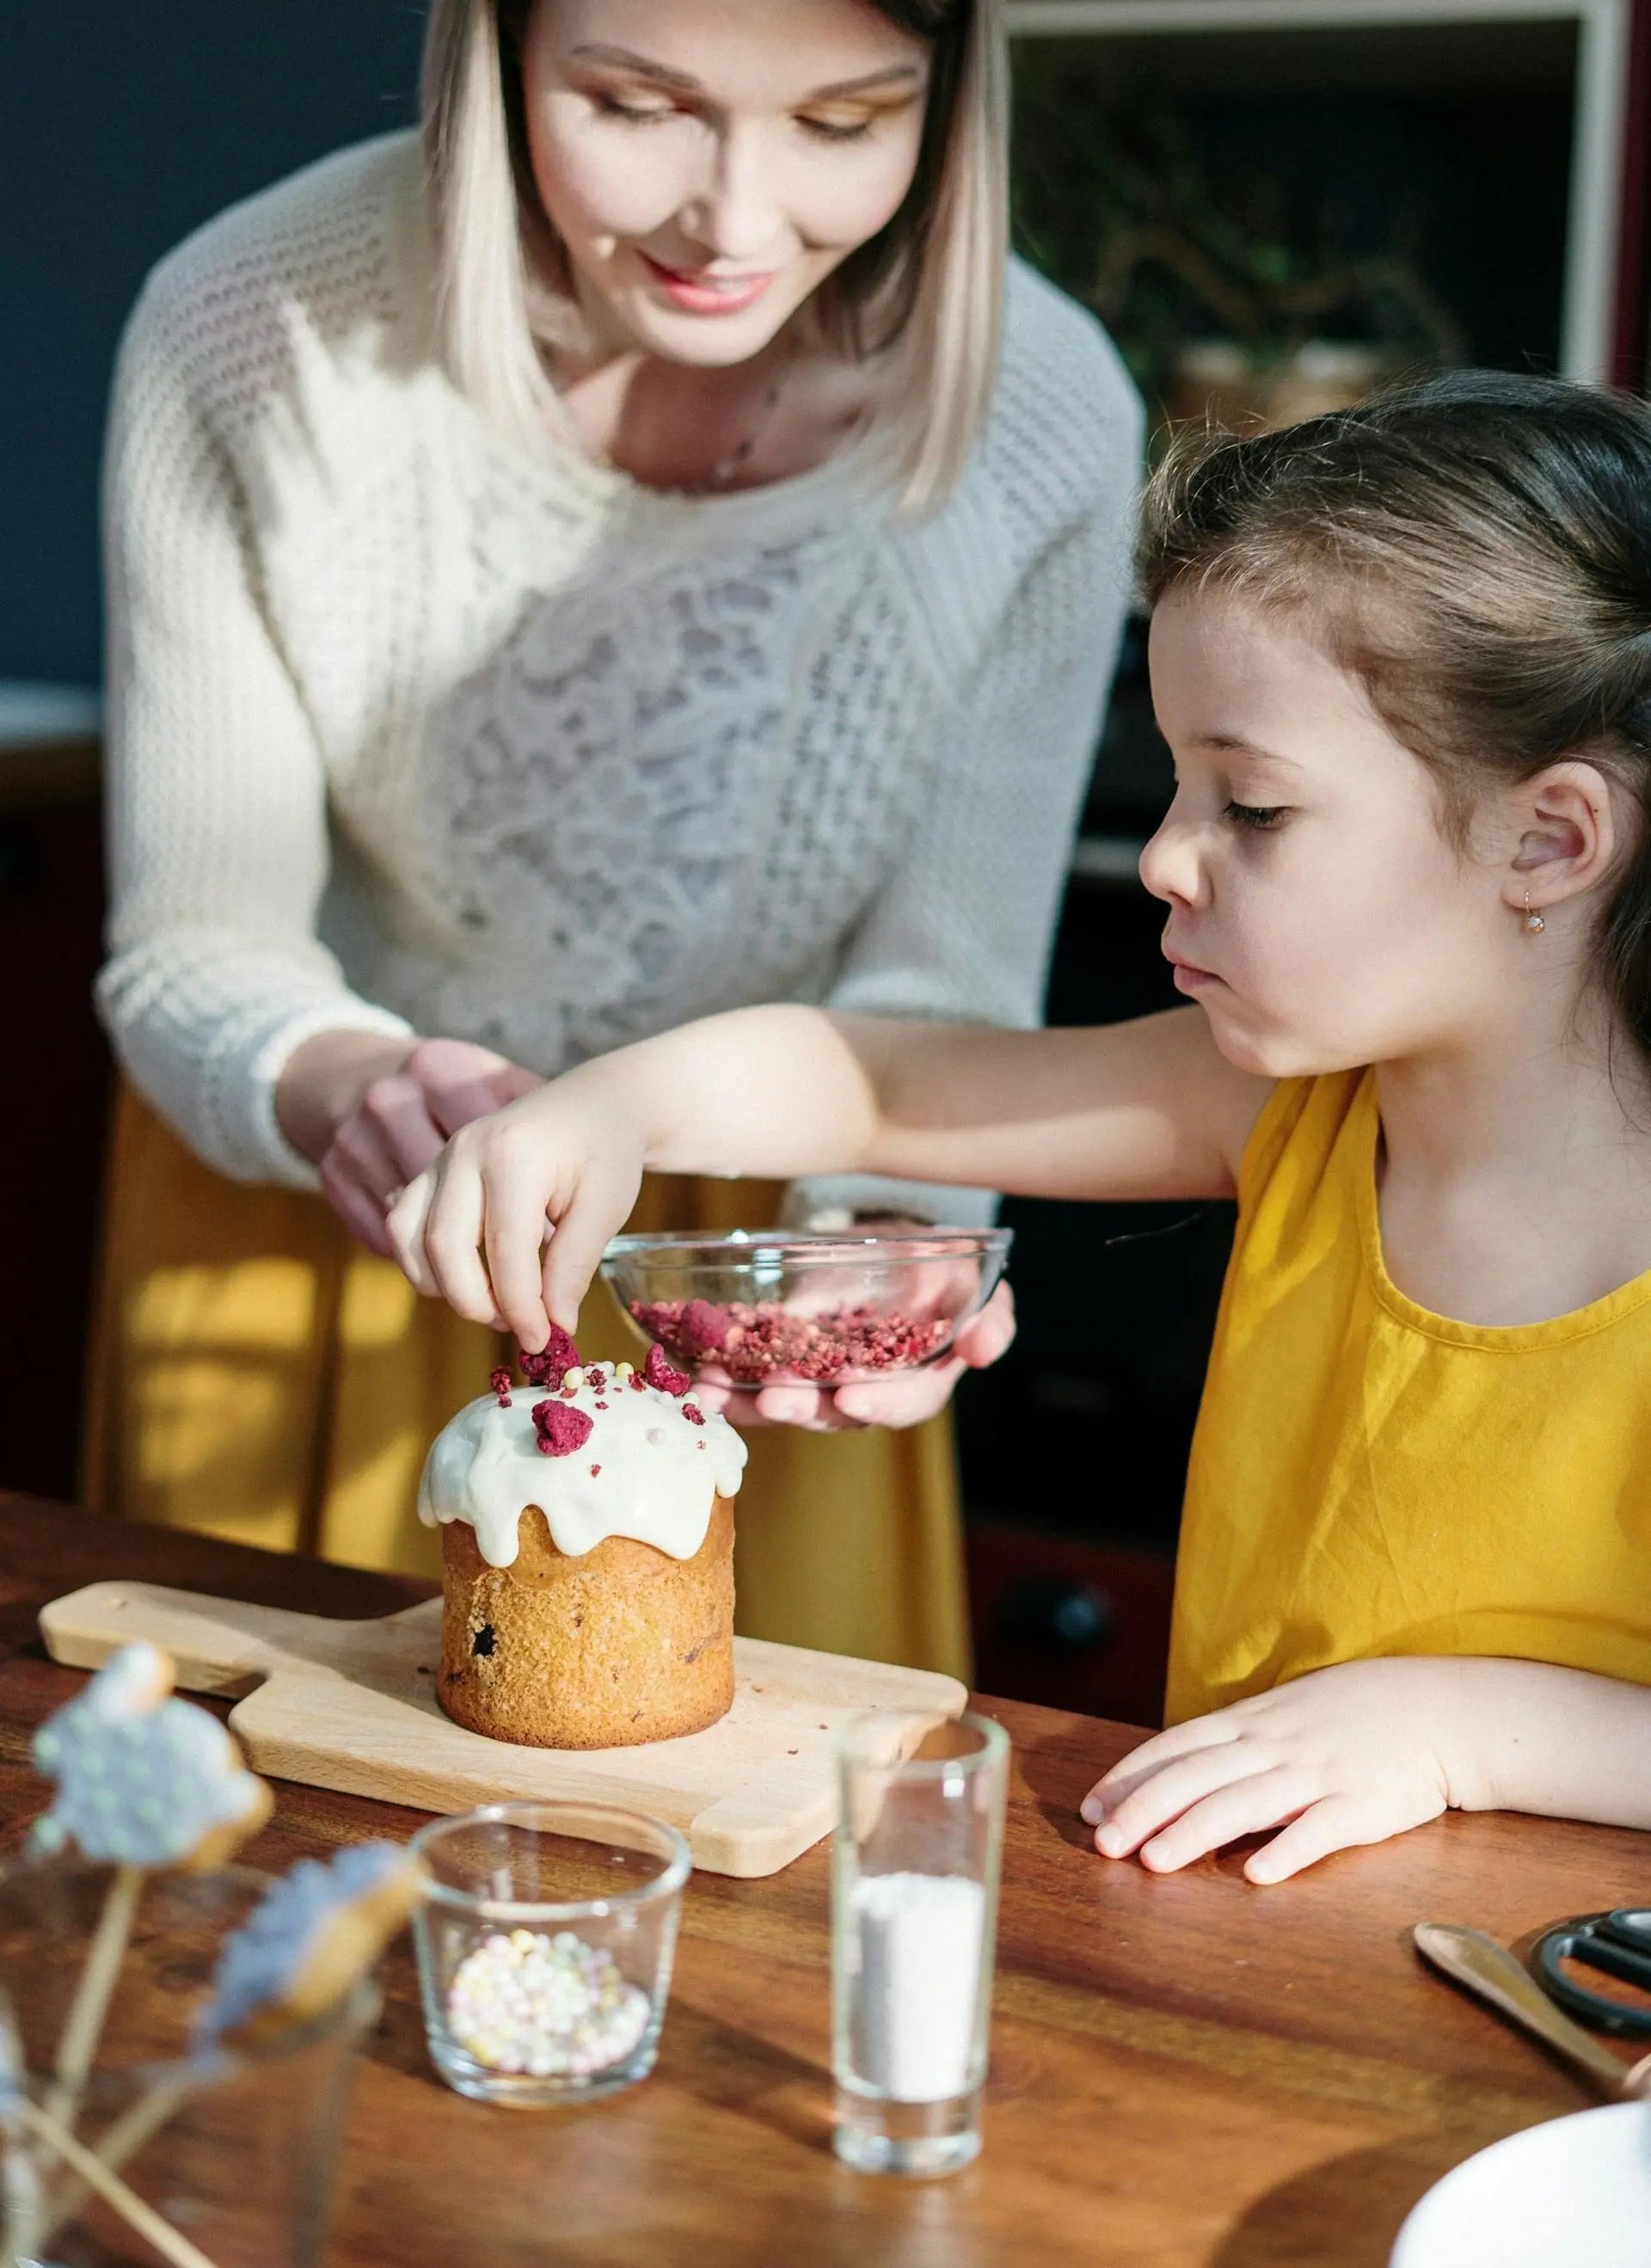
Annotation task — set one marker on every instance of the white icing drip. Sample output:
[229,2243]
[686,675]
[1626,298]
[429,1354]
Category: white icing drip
[659,1472]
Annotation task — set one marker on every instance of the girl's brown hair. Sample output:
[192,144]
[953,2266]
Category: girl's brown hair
[927,289]
[1477,549]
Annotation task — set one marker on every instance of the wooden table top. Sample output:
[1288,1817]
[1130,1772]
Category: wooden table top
[1184,2071]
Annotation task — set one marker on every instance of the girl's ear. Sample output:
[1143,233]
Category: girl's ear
[1569,832]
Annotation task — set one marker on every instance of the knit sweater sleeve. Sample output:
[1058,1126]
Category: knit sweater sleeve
[963,930]
[217,790]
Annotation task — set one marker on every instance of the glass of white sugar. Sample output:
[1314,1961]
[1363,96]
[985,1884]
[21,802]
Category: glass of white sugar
[919,1840]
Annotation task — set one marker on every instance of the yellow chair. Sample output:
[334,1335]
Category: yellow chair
[257,1375]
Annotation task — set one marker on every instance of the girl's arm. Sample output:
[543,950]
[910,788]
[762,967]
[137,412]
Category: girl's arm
[1146,1109]
[961,930]
[1366,1750]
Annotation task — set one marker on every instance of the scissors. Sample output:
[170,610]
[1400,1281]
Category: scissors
[1616,1944]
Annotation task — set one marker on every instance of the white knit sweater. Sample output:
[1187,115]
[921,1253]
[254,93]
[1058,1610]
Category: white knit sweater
[408,732]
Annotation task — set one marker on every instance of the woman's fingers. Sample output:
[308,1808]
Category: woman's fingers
[404,1225]
[394,1116]
[904,1398]
[986,1338]
[357,1205]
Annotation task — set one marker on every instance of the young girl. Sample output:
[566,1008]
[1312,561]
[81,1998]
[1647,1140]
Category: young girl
[1403,656]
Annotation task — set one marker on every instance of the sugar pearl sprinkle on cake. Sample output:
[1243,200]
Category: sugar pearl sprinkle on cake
[143,1780]
[551,2007]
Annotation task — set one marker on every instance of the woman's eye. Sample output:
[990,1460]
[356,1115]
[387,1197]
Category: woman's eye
[635,113]
[1254,815]
[835,130]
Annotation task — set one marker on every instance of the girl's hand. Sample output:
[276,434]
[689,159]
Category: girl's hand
[472,1228]
[1347,1754]
[905,1398]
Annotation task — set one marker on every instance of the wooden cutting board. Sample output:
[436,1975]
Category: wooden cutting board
[352,1705]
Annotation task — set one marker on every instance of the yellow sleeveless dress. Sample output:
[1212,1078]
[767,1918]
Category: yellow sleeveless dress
[1368,1478]
[257,1375]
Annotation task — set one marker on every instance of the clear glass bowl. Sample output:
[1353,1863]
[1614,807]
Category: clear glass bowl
[764,1307]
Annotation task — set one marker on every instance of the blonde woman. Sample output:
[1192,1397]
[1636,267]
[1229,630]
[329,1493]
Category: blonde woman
[642,550]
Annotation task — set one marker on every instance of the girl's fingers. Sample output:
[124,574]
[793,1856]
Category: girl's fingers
[1335,1823]
[1212,1732]
[601,1204]
[513,1240]
[1164,1796]
[452,1239]
[1248,1806]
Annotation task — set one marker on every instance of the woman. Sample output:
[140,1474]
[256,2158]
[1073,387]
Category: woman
[601,571]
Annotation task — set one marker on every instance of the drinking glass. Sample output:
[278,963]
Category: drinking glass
[233,2149]
[919,1845]
[544,1944]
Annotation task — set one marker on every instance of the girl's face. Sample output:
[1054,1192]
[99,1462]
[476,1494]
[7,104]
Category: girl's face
[1318,910]
[708,164]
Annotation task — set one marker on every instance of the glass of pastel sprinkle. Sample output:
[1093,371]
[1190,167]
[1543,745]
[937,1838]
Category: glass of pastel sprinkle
[544,1945]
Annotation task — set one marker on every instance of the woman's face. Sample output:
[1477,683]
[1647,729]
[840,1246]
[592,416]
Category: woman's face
[709,163]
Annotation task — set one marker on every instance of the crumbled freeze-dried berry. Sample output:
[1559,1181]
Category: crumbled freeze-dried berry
[500,1381]
[595,1469]
[693,1413]
[559,1428]
[764,1341]
[659,1373]
[637,1382]
[702,1328]
[558,1354]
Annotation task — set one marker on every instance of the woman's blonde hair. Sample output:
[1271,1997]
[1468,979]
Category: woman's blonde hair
[927,290]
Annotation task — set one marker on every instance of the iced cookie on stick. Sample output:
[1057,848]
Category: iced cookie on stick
[144,1782]
[308,1941]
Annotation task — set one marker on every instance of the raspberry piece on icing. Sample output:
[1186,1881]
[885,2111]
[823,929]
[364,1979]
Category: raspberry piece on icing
[561,1428]
[693,1413]
[500,1381]
[558,1354]
[662,1374]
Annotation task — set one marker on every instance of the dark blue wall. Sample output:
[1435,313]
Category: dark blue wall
[123,125]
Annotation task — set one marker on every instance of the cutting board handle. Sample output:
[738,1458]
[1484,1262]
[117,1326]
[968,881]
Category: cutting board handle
[220,1646]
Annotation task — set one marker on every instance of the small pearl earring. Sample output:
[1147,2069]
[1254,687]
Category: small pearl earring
[1533,920]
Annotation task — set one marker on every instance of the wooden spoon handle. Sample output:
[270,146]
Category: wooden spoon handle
[1477,1961]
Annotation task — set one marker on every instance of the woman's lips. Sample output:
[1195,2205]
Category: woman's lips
[707,295]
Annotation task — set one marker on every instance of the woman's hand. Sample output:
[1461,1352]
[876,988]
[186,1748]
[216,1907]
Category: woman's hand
[1347,1754]
[373,1114]
[906,1397]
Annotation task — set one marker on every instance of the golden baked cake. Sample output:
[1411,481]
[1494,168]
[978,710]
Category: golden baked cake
[587,1554]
